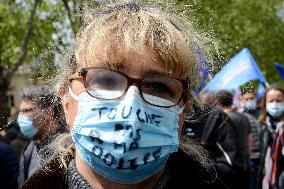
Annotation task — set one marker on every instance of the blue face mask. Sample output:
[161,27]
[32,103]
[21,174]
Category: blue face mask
[127,140]
[275,109]
[250,105]
[26,126]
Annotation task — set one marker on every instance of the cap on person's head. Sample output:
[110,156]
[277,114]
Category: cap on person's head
[248,90]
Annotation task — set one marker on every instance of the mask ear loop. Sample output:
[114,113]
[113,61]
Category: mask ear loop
[183,106]
[72,94]
[181,109]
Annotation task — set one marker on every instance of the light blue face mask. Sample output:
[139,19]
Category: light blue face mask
[250,105]
[275,109]
[26,126]
[241,110]
[127,140]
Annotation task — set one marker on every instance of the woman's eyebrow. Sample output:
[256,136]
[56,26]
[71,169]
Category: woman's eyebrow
[120,66]
[117,66]
[152,72]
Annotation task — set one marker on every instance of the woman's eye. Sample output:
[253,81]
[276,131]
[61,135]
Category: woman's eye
[105,82]
[101,83]
[158,87]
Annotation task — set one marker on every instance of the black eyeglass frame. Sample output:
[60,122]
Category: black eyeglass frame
[133,81]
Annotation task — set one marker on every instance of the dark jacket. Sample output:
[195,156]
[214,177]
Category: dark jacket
[255,113]
[243,128]
[184,172]
[8,167]
[215,129]
[255,131]
[265,139]
[25,160]
[27,152]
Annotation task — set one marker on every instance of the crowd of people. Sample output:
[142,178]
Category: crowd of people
[123,115]
[245,138]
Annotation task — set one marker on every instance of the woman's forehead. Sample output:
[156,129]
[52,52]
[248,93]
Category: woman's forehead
[112,48]
[27,104]
[274,94]
[132,63]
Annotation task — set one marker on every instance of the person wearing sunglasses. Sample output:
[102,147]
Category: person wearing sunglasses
[124,89]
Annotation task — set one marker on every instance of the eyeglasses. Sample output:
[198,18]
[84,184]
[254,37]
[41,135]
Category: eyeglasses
[34,112]
[28,110]
[108,84]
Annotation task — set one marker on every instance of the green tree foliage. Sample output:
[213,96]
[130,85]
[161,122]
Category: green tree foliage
[16,33]
[239,23]
[35,32]
[26,27]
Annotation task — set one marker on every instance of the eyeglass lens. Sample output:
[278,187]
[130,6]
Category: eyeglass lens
[107,84]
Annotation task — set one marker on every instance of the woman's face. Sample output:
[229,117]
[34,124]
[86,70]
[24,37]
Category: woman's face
[32,110]
[41,117]
[132,64]
[274,96]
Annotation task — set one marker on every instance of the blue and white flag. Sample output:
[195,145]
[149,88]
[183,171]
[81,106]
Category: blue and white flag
[280,69]
[241,69]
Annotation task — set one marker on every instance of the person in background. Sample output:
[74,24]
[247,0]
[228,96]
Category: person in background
[248,106]
[214,129]
[207,98]
[124,90]
[248,103]
[9,167]
[12,127]
[39,119]
[242,126]
[13,135]
[272,120]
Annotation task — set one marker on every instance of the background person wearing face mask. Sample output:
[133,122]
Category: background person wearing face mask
[272,120]
[248,102]
[13,135]
[38,119]
[249,108]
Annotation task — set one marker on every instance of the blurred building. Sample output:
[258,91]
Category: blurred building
[21,78]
